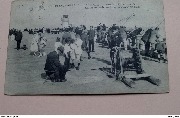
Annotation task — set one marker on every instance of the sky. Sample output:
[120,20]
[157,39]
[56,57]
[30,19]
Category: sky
[43,13]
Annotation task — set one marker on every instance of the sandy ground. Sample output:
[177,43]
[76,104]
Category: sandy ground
[23,74]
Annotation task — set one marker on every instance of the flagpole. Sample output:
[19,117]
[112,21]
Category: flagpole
[128,18]
[161,23]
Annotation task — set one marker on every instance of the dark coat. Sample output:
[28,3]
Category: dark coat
[18,36]
[147,36]
[91,34]
[52,61]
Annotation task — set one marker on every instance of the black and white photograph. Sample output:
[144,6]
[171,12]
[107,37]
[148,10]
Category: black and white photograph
[86,47]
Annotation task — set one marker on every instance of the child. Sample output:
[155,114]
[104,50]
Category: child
[160,47]
[78,50]
[34,45]
[42,45]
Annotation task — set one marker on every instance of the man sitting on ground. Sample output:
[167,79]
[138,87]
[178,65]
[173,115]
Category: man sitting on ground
[54,69]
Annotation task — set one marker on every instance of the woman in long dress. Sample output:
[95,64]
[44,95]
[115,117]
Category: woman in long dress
[34,45]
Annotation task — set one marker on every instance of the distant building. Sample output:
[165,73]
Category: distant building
[65,21]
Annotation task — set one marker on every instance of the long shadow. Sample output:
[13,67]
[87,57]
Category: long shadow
[107,71]
[149,59]
[151,80]
[128,83]
[102,60]
[111,76]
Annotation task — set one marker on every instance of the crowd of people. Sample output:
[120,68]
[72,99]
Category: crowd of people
[71,45]
[38,42]
[75,40]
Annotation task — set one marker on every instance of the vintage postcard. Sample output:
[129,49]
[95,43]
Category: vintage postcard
[86,47]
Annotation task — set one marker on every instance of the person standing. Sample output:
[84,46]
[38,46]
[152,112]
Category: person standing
[165,46]
[85,47]
[123,37]
[78,51]
[72,53]
[18,38]
[84,38]
[42,45]
[34,44]
[145,38]
[160,47]
[154,37]
[67,52]
[91,35]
